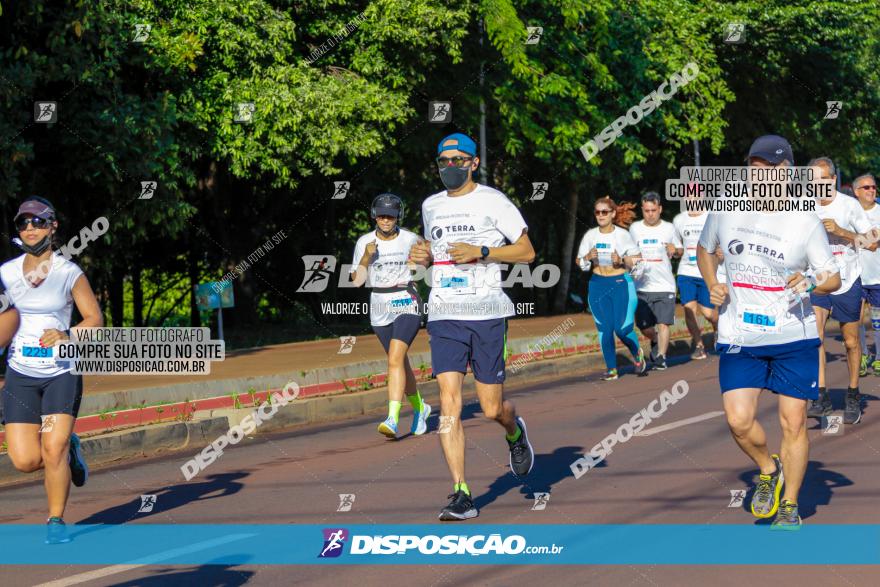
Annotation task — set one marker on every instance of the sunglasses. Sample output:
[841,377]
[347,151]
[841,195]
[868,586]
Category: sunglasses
[602,212]
[456,161]
[36,221]
[867,187]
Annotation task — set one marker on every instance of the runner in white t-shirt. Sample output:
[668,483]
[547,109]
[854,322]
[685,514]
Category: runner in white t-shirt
[655,284]
[767,333]
[395,312]
[845,221]
[41,396]
[865,189]
[471,228]
[610,252]
[692,290]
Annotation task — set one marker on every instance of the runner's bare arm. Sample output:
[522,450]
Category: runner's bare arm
[708,265]
[420,253]
[827,282]
[8,326]
[519,252]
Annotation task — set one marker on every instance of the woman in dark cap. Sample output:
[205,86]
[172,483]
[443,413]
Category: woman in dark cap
[41,397]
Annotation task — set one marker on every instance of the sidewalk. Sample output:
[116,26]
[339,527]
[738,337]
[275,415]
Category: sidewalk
[248,377]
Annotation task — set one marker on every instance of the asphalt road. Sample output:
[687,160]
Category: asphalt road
[682,472]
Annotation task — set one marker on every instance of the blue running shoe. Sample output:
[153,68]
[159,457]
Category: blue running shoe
[388,427]
[56,531]
[79,470]
[420,420]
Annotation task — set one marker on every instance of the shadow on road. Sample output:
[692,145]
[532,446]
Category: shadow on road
[817,490]
[549,469]
[218,575]
[169,498]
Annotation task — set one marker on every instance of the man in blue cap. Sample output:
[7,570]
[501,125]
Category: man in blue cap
[766,340]
[471,228]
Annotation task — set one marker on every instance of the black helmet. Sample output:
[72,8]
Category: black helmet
[387,205]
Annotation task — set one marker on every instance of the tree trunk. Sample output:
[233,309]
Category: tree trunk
[195,318]
[566,255]
[116,289]
[137,295]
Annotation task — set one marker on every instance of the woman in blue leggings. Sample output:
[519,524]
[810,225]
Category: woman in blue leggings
[610,251]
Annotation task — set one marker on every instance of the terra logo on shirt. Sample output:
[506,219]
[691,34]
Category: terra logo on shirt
[736,247]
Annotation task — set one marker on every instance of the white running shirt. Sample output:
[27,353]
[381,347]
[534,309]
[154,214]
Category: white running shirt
[483,217]
[760,252]
[870,261]
[652,241]
[849,215]
[388,269]
[618,240]
[46,306]
[688,229]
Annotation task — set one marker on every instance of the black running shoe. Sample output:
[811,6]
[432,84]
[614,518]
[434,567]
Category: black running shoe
[79,470]
[522,456]
[852,413]
[660,363]
[460,508]
[820,407]
[56,531]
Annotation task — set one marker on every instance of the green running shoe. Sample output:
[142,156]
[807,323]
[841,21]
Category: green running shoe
[863,366]
[875,367]
[787,518]
[610,375]
[765,501]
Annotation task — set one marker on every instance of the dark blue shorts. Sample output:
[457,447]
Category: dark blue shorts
[871,293]
[26,398]
[847,307]
[693,288]
[404,328]
[790,369]
[482,343]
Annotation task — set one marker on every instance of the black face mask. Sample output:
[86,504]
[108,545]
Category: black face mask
[39,248]
[454,177]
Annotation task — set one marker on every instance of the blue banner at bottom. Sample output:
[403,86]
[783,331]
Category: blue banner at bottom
[234,544]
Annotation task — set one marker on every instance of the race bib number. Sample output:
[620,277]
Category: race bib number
[652,250]
[759,319]
[692,254]
[605,251]
[455,281]
[29,352]
[402,305]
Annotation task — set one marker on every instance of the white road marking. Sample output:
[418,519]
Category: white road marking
[680,423]
[142,562]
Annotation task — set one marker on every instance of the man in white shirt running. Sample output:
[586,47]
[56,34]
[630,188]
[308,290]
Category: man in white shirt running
[692,290]
[865,189]
[471,228]
[767,336]
[655,284]
[845,221]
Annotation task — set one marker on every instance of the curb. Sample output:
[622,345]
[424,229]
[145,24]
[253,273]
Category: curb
[165,438]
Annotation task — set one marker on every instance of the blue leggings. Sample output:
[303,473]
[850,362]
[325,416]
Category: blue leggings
[613,304]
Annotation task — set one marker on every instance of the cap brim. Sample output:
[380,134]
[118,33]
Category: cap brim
[387,212]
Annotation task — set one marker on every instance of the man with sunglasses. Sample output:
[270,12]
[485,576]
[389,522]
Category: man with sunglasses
[471,228]
[865,189]
[655,284]
[846,224]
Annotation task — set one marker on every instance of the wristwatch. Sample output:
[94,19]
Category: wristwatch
[484,251]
